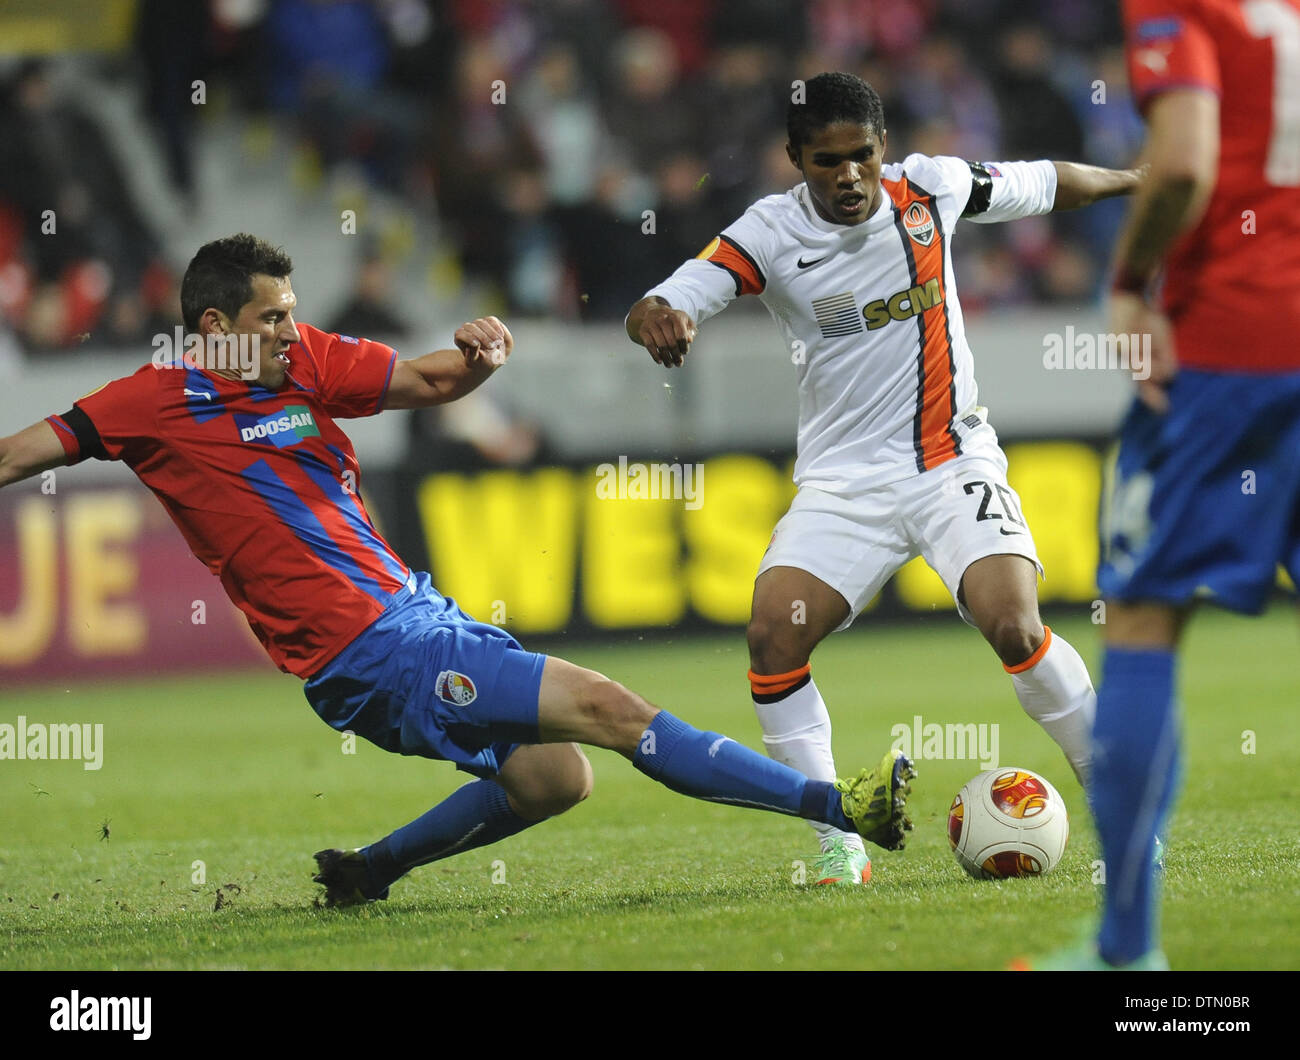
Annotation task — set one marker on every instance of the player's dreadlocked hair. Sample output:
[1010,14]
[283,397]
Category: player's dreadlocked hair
[830,98]
[221,274]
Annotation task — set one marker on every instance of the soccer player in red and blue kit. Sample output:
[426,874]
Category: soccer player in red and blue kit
[1205,498]
[259,477]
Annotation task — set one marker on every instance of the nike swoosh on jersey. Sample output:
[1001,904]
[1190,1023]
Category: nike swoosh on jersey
[809,264]
[198,393]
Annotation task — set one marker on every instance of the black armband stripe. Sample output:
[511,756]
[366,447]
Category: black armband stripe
[981,190]
[735,276]
[87,437]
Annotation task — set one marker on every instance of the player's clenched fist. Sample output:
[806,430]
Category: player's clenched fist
[666,332]
[484,341]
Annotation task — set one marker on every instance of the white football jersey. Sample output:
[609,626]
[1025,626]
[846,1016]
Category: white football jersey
[869,312]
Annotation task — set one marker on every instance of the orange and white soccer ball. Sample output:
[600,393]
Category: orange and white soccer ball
[1008,822]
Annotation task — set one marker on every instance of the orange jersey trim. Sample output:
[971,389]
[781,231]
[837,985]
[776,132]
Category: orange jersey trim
[924,243]
[726,253]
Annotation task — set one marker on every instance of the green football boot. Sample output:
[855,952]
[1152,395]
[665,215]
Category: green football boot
[876,801]
[842,864]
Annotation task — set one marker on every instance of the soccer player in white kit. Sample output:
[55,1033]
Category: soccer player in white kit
[895,456]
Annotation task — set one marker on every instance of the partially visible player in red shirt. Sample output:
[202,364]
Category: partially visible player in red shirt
[241,446]
[1205,500]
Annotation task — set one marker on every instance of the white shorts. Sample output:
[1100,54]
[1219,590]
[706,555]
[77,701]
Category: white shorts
[952,515]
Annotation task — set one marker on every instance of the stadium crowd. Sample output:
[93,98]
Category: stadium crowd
[538,134]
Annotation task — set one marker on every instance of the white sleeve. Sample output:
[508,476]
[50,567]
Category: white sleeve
[1019,189]
[734,263]
[698,289]
[954,184]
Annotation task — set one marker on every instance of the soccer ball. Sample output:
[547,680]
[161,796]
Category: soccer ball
[1008,822]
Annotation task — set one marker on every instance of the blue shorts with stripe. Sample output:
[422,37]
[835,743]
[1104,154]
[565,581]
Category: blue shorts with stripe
[1203,502]
[426,679]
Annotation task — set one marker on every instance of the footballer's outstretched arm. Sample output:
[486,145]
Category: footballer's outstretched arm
[482,347]
[29,452]
[1080,185]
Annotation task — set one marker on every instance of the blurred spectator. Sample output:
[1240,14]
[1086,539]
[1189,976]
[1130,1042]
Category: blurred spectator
[1037,119]
[170,37]
[530,241]
[237,52]
[940,85]
[566,123]
[330,60]
[476,141]
[651,109]
[370,313]
[684,24]
[686,216]
[745,103]
[846,30]
[613,258]
[86,257]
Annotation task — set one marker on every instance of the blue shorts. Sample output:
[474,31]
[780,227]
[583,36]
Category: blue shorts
[426,679]
[1203,502]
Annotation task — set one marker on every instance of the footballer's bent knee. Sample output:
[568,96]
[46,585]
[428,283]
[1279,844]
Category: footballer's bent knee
[1015,636]
[778,645]
[545,780]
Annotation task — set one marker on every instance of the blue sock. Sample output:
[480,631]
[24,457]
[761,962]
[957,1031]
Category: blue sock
[1134,773]
[471,816]
[708,766]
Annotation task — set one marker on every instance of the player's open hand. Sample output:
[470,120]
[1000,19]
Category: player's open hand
[667,333]
[1155,367]
[485,342]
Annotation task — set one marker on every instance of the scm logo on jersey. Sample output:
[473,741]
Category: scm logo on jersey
[281,429]
[903,305]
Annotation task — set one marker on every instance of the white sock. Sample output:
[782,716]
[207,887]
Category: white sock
[1058,694]
[797,733]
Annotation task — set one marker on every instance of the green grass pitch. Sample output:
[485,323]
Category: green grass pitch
[236,773]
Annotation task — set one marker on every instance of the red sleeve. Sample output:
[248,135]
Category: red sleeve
[352,375]
[123,414]
[1169,44]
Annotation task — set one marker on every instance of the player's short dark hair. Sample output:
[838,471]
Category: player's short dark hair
[221,274]
[829,98]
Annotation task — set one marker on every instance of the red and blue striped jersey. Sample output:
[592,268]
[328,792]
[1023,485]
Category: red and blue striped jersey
[264,485]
